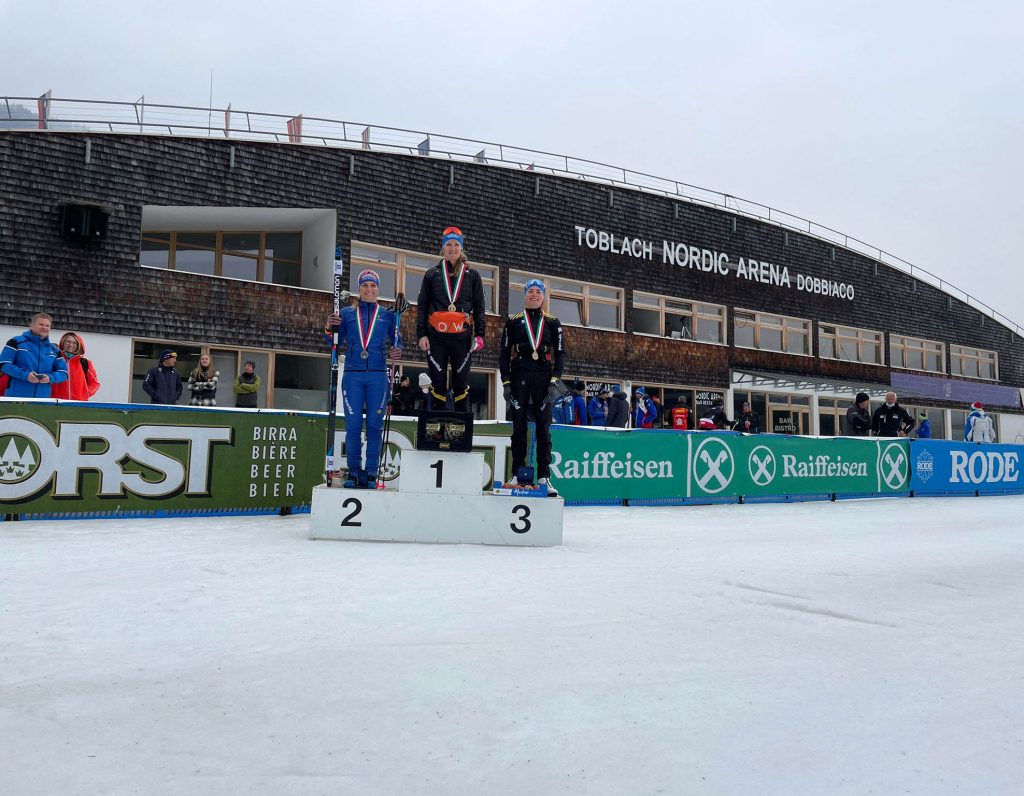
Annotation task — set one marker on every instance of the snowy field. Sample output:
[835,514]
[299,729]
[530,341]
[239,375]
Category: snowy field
[852,648]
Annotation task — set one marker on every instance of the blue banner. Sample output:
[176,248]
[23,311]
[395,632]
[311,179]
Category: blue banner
[941,467]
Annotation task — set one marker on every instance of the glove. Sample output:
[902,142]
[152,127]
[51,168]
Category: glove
[478,343]
[395,353]
[553,393]
[506,390]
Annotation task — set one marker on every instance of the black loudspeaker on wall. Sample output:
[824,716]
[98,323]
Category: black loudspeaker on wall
[83,222]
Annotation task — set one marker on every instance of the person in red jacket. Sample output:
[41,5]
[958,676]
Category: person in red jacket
[82,382]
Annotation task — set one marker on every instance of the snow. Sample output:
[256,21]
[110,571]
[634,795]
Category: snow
[859,647]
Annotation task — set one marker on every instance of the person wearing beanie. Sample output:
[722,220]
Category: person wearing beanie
[247,386]
[644,410]
[924,426]
[891,419]
[163,384]
[369,334]
[749,422]
[858,419]
[715,418]
[403,401]
[579,404]
[597,408]
[450,322]
[82,382]
[423,400]
[979,427]
[532,358]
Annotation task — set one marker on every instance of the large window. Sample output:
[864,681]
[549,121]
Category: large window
[975,363]
[274,257]
[768,332]
[916,354]
[850,344]
[573,303]
[677,318]
[398,267]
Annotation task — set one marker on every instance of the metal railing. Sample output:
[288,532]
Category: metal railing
[91,116]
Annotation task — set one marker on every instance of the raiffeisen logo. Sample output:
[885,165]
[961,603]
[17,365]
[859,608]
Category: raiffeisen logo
[821,466]
[606,465]
[19,458]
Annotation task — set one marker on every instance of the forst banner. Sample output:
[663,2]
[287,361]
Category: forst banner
[942,467]
[72,457]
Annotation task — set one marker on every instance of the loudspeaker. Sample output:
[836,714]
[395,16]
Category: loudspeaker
[83,222]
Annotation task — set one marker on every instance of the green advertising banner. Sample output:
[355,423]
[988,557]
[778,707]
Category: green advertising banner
[774,465]
[78,458]
[598,465]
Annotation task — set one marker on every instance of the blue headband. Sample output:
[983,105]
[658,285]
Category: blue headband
[452,233]
[537,284]
[369,276]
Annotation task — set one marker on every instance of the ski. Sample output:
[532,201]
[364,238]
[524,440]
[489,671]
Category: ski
[401,305]
[332,389]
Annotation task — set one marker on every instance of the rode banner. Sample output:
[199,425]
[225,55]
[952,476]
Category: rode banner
[944,467]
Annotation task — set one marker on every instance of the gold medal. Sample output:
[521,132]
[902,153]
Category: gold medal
[451,308]
[535,355]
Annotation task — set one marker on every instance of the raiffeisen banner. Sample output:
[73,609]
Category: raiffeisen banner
[941,467]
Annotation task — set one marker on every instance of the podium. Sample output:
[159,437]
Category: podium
[440,500]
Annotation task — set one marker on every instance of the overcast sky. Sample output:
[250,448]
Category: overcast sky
[899,123]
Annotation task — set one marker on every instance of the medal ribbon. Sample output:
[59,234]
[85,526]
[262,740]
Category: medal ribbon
[365,341]
[534,341]
[452,295]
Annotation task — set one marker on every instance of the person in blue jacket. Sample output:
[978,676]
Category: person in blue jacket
[163,384]
[32,362]
[924,426]
[644,410]
[597,409]
[369,334]
[579,403]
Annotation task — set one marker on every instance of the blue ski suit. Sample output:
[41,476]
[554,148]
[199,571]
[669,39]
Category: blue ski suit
[364,386]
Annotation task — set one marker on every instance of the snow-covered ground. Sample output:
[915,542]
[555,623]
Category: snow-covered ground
[851,648]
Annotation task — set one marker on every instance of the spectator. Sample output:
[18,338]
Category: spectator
[450,322]
[247,386]
[644,412]
[403,400]
[163,384]
[715,418]
[681,414]
[924,426]
[618,410]
[82,382]
[891,419]
[659,413]
[202,382]
[858,420]
[748,422]
[32,362]
[597,409]
[979,426]
[579,403]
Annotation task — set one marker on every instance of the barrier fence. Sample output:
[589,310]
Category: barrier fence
[60,459]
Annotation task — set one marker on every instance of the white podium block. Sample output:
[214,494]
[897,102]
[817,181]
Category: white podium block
[381,515]
[442,472]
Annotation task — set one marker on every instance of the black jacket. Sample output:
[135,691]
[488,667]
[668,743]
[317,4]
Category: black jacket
[618,410]
[162,385]
[888,421]
[403,402]
[516,351]
[748,417]
[434,297]
[858,422]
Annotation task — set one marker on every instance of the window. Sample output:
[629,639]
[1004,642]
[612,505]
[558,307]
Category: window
[405,268]
[679,319]
[573,303]
[915,354]
[274,257]
[768,332]
[849,344]
[974,363]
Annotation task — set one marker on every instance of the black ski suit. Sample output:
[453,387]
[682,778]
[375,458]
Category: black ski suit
[454,348]
[529,380]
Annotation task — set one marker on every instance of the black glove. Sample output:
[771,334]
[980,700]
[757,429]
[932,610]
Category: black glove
[553,393]
[506,390]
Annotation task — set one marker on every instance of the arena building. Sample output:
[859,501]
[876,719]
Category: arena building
[215,231]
